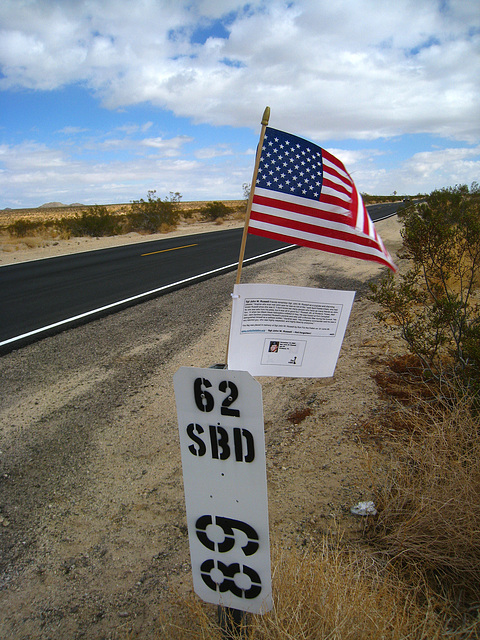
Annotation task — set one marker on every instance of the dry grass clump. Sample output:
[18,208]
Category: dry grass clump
[429,500]
[333,593]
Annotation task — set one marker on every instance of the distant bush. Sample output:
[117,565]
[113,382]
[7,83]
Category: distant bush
[154,214]
[96,221]
[23,227]
[214,210]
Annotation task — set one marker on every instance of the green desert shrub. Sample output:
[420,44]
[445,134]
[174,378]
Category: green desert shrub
[154,214]
[23,227]
[214,211]
[435,302]
[96,221]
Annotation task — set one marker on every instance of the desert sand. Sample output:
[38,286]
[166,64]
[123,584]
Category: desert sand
[92,515]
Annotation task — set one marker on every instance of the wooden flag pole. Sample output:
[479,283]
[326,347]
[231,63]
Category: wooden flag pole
[265,119]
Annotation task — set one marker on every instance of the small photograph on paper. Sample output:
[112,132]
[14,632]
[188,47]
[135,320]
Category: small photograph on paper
[283,352]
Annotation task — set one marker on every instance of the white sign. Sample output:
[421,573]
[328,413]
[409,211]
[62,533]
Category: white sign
[278,330]
[220,420]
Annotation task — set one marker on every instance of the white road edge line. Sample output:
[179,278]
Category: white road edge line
[137,297]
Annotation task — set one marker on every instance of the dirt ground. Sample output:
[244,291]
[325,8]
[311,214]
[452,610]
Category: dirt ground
[93,540]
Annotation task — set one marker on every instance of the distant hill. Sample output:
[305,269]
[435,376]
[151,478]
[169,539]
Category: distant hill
[51,205]
[58,205]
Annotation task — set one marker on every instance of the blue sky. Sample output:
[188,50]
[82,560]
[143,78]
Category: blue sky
[102,100]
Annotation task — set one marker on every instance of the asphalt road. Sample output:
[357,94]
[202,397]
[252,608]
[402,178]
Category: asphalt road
[44,296]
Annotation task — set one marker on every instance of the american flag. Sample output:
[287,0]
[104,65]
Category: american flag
[304,195]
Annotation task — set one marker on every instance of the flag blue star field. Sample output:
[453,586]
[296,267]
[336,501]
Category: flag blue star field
[305,196]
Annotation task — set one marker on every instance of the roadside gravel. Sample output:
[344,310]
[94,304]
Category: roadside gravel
[93,540]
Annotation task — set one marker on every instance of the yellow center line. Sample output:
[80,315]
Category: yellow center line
[165,250]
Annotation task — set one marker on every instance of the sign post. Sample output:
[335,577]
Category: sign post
[220,420]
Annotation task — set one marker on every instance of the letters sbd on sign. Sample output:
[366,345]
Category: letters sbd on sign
[220,419]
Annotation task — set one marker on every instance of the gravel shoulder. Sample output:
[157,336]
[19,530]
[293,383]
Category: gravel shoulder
[93,540]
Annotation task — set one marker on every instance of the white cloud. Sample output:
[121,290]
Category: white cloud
[132,128]
[441,167]
[427,170]
[42,174]
[31,156]
[72,130]
[167,148]
[363,69]
[214,152]
[355,158]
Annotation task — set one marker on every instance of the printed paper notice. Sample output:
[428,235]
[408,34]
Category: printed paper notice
[279,330]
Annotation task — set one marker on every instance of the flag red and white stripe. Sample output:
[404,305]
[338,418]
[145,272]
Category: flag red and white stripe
[304,195]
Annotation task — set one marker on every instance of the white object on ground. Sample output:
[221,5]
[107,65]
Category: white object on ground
[364,509]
